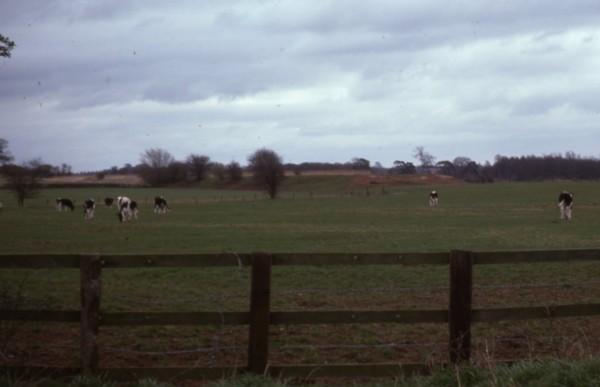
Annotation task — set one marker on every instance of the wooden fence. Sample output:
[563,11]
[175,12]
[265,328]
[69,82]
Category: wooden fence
[459,316]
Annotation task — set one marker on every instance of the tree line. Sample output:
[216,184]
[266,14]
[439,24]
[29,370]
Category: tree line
[266,169]
[157,168]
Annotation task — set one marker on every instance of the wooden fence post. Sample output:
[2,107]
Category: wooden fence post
[90,269]
[260,309]
[461,289]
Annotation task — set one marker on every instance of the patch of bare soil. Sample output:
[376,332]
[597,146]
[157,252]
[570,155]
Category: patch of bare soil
[367,180]
[334,172]
[78,180]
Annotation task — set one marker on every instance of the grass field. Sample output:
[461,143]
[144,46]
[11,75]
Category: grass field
[493,216]
[314,214]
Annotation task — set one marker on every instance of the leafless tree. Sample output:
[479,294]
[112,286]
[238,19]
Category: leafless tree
[425,158]
[156,158]
[198,166]
[5,156]
[218,171]
[267,170]
[155,166]
[234,172]
[23,180]
[6,46]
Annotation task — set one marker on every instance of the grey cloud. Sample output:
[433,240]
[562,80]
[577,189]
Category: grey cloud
[356,77]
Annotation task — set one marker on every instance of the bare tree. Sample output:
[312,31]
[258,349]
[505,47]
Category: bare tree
[6,46]
[23,180]
[198,165]
[267,170]
[234,172]
[155,166]
[156,158]
[425,158]
[5,156]
[218,171]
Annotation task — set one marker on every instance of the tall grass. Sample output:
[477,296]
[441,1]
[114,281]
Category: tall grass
[553,373]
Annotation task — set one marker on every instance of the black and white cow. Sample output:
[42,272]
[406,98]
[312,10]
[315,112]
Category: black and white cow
[434,199]
[565,203]
[64,204]
[133,207]
[108,202]
[128,209]
[88,208]
[160,205]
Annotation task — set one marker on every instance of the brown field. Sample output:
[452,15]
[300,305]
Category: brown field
[77,180]
[370,179]
[337,172]
[360,179]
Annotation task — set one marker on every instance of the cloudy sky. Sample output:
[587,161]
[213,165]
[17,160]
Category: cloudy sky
[95,83]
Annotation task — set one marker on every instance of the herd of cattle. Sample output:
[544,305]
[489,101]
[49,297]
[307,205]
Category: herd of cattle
[127,208]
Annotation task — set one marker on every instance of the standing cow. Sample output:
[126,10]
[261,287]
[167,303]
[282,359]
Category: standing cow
[565,203]
[128,209]
[88,208]
[434,199]
[108,202]
[64,204]
[160,205]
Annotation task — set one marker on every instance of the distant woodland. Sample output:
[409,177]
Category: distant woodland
[158,167]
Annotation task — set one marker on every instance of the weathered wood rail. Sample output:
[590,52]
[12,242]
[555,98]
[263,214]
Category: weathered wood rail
[459,316]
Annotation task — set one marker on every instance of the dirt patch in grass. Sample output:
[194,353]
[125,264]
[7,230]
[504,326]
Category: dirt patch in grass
[369,180]
[93,180]
[340,172]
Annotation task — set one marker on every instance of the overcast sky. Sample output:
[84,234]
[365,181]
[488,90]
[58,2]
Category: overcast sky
[95,83]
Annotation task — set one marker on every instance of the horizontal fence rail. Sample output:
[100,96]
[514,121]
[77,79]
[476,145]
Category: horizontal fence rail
[63,261]
[459,316]
[304,318]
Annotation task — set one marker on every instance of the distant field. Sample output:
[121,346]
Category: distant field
[314,214]
[109,179]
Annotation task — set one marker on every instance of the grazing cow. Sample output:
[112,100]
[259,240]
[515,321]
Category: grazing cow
[123,203]
[565,203]
[64,204]
[134,209]
[88,209]
[433,199]
[160,205]
[108,202]
[128,209]
[123,200]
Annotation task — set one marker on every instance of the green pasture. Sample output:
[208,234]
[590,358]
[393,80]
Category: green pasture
[314,214]
[314,217]
[481,217]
